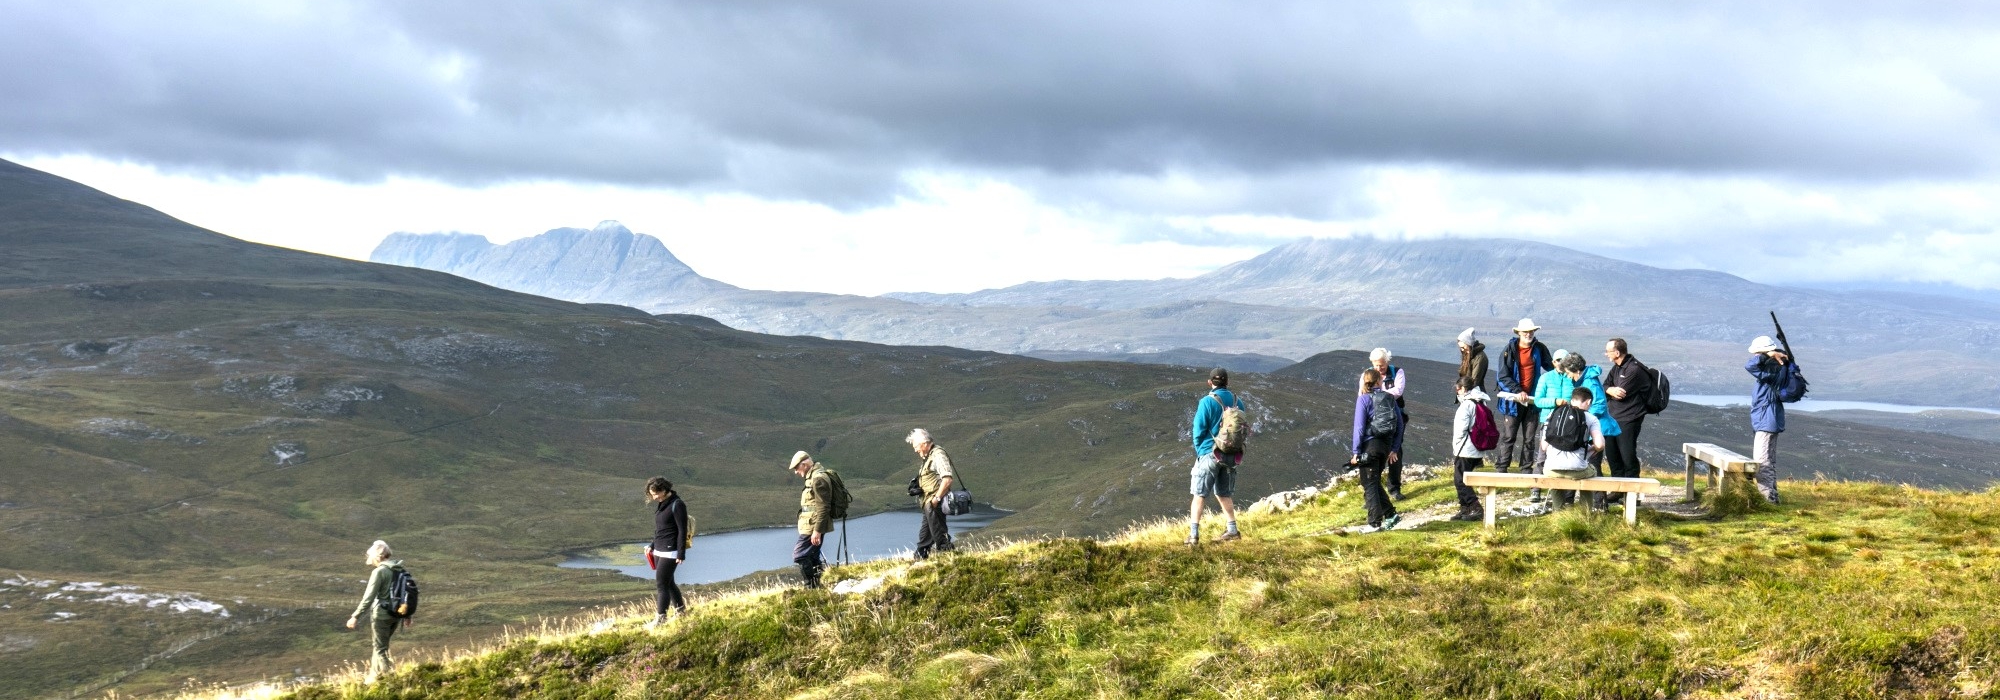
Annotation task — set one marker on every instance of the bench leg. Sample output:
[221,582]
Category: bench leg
[1492,497]
[1688,479]
[1632,508]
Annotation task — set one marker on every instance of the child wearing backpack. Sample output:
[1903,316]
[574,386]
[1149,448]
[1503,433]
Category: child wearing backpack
[1568,438]
[1473,432]
[388,582]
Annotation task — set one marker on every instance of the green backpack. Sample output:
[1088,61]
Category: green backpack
[841,498]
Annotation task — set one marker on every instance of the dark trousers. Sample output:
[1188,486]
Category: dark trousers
[1520,434]
[1459,466]
[806,555]
[932,534]
[1621,451]
[667,593]
[1375,456]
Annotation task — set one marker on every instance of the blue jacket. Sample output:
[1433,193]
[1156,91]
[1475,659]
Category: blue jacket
[1555,388]
[1508,361]
[1208,419]
[1767,413]
[1364,406]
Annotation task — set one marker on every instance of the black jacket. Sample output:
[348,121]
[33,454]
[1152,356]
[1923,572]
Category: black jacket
[1637,381]
[670,519]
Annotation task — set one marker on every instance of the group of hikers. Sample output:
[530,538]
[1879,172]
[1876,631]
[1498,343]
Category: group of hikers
[1554,413]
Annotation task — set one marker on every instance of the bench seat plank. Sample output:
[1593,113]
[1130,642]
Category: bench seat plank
[1609,484]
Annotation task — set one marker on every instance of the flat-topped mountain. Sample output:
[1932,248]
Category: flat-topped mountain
[574,264]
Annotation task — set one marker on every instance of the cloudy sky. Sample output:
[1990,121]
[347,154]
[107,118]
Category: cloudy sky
[938,146]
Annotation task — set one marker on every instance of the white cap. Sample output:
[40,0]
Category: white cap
[1526,324]
[1763,344]
[798,457]
[1467,337]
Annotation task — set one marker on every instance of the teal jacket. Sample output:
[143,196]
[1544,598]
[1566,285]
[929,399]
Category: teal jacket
[1554,389]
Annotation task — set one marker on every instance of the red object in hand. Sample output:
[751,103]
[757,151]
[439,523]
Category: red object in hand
[650,562]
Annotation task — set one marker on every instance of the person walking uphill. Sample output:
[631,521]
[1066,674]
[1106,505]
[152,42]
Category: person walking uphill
[1522,362]
[382,621]
[1773,370]
[934,478]
[1393,383]
[1378,442]
[668,548]
[1214,472]
[1629,385]
[816,506]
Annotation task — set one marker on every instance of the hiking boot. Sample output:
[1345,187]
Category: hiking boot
[1396,495]
[1466,516]
[658,620]
[1229,536]
[1389,523]
[1534,495]
[1193,540]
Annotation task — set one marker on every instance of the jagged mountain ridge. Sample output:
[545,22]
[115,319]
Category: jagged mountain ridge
[1413,296]
[573,264]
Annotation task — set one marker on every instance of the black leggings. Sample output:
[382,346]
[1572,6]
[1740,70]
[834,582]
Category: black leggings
[663,583]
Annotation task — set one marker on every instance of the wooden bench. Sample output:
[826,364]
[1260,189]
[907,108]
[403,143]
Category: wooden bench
[1488,485]
[1720,460]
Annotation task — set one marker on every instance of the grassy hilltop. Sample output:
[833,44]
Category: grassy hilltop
[1848,591]
[188,420]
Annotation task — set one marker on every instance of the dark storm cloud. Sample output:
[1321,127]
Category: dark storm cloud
[834,100]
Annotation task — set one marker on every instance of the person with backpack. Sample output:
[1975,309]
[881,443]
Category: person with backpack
[1573,373]
[1569,438]
[379,601]
[1778,383]
[1377,443]
[668,548]
[1393,383]
[934,477]
[821,502]
[1473,432]
[1218,431]
[1629,386]
[1472,358]
[1523,361]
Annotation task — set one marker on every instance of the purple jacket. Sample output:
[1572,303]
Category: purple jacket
[1363,406]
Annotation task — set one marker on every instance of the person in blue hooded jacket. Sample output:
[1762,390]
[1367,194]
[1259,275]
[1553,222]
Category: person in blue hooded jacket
[1214,473]
[1772,369]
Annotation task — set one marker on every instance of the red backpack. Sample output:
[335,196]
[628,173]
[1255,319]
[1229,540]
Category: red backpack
[1485,435]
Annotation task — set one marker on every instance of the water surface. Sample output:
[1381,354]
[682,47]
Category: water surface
[728,555]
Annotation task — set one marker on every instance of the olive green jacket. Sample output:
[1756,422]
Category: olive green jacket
[816,502]
[378,589]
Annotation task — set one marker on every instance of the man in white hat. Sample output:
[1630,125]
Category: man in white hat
[1521,365]
[1773,369]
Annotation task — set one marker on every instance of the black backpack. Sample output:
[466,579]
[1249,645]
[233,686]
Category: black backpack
[1566,430]
[402,599]
[1663,391]
[1382,419]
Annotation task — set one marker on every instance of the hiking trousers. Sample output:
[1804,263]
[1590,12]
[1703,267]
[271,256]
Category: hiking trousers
[1459,466]
[806,555]
[932,535]
[667,593]
[380,629]
[1765,453]
[1375,456]
[1519,437]
[1621,451]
